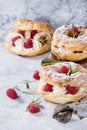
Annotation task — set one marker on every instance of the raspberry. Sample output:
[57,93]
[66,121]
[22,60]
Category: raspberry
[76,30]
[11,93]
[21,32]
[28,44]
[71,89]
[33,33]
[48,88]
[64,69]
[56,46]
[70,33]
[14,39]
[33,108]
[36,75]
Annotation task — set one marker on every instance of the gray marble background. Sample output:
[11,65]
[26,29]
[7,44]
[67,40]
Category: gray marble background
[56,12]
[14,68]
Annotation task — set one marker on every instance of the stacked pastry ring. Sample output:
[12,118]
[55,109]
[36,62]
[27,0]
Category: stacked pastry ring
[63,82]
[28,38]
[70,43]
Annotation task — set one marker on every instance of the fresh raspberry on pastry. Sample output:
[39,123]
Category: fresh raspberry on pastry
[48,87]
[28,44]
[69,43]
[21,32]
[14,39]
[67,86]
[33,33]
[71,90]
[74,32]
[35,38]
[64,69]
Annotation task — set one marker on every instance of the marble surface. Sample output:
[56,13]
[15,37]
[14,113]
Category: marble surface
[14,69]
[56,12]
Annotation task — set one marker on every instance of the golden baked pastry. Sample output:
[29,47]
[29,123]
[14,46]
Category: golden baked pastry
[63,82]
[69,42]
[28,38]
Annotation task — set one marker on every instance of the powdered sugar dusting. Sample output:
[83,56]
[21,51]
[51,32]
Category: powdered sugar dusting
[61,33]
[77,78]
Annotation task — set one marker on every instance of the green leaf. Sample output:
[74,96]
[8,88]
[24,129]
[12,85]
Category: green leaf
[41,41]
[48,62]
[26,109]
[27,85]
[36,100]
[41,106]
[73,29]
[81,33]
[27,81]
[57,55]
[30,93]
[16,87]
[70,70]
[74,71]
[75,35]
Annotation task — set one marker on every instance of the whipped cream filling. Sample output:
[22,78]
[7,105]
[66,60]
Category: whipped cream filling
[61,90]
[12,35]
[57,90]
[27,34]
[19,43]
[36,46]
[38,35]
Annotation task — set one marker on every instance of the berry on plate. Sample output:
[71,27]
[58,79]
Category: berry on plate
[35,105]
[36,75]
[11,93]
[33,108]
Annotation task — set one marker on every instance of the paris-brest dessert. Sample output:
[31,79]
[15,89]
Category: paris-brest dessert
[69,43]
[63,82]
[29,38]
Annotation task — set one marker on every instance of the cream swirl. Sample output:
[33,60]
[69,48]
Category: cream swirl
[38,35]
[59,90]
[36,46]
[19,43]
[12,35]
